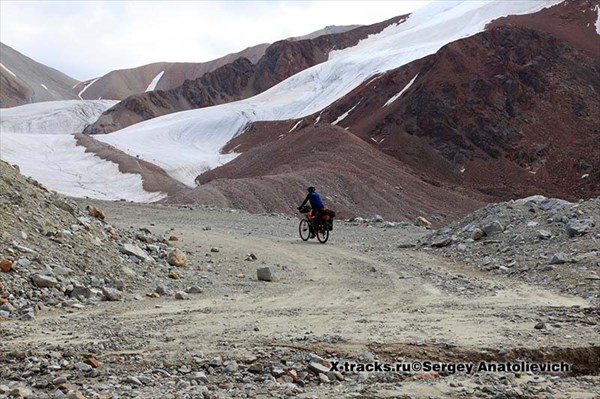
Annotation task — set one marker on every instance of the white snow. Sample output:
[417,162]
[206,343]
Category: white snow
[61,165]
[344,115]
[52,117]
[187,143]
[7,70]
[39,138]
[44,86]
[372,80]
[296,125]
[86,87]
[154,82]
[597,19]
[397,96]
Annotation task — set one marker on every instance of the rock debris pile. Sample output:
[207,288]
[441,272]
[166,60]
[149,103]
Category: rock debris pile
[547,241]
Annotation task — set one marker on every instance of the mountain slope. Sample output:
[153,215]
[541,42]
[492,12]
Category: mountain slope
[186,144]
[513,111]
[278,164]
[122,83]
[412,91]
[239,79]
[24,81]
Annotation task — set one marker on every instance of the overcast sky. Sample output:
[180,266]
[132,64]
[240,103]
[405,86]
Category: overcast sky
[86,39]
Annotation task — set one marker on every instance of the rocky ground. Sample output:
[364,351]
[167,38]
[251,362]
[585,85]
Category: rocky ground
[121,300]
[549,242]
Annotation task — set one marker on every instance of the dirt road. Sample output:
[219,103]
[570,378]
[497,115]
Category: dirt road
[360,297]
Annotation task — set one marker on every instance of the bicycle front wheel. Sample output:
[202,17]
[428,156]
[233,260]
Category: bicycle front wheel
[304,230]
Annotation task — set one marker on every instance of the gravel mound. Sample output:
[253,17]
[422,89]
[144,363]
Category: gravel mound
[547,241]
[53,253]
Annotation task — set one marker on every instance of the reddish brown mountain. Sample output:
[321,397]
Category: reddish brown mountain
[515,109]
[234,81]
[122,83]
[509,112]
[356,179]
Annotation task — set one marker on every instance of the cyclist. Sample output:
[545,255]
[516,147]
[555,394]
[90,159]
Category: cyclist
[316,203]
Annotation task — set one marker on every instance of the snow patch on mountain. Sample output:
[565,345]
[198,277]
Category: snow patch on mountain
[597,19]
[63,166]
[7,70]
[397,96]
[52,117]
[86,87]
[154,82]
[344,115]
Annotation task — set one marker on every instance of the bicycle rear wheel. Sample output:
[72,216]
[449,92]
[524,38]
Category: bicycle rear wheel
[322,234]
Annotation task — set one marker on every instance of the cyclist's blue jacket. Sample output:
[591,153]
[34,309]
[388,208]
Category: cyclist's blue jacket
[315,201]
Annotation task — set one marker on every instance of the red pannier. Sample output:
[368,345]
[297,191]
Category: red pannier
[326,214]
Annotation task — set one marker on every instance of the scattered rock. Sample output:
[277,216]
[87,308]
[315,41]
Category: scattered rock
[264,274]
[477,234]
[199,376]
[83,367]
[181,295]
[80,291]
[579,227]
[92,362]
[75,395]
[493,228]
[5,265]
[559,258]
[376,219]
[318,368]
[540,326]
[44,281]
[96,212]
[544,234]
[177,258]
[173,275]
[162,290]
[251,257]
[216,362]
[194,290]
[133,381]
[20,392]
[442,242]
[421,221]
[112,294]
[136,251]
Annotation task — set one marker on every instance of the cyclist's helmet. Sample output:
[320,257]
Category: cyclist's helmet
[311,189]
